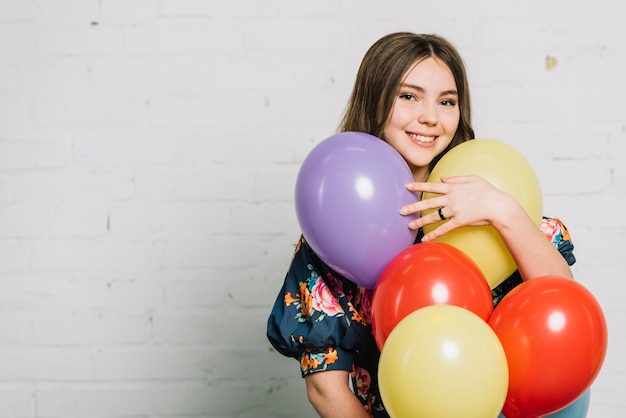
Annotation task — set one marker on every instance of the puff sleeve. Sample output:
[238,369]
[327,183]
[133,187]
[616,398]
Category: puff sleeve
[558,234]
[319,317]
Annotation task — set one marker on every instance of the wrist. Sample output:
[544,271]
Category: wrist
[507,212]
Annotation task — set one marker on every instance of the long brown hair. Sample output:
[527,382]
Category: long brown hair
[382,70]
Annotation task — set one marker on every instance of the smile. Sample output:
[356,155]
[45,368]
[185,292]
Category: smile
[422,138]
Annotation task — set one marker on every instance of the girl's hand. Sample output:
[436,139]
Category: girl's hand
[473,201]
[463,200]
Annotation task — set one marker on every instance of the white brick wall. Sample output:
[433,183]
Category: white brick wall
[148,151]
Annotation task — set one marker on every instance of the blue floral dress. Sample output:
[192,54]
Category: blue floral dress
[322,319]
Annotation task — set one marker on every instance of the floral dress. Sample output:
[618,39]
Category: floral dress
[322,319]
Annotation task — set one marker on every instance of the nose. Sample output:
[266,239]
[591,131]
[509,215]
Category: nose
[427,114]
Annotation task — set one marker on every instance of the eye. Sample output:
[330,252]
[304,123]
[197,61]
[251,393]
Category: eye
[407,96]
[448,102]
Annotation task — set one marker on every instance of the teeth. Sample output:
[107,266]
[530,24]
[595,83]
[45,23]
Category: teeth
[422,138]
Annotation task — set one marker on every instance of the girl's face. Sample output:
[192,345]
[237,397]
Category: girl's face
[425,115]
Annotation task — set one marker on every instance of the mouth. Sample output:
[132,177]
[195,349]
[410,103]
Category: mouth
[422,138]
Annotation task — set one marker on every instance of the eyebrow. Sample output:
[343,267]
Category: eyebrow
[421,89]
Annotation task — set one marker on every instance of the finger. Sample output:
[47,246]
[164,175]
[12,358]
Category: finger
[442,217]
[430,218]
[444,228]
[423,205]
[427,187]
[456,179]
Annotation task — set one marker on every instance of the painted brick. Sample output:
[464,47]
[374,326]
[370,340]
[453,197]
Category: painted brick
[129,12]
[15,329]
[22,221]
[84,328]
[79,37]
[37,154]
[139,150]
[18,39]
[88,255]
[69,9]
[50,364]
[14,112]
[262,218]
[81,109]
[14,255]
[150,363]
[17,401]
[150,75]
[182,38]
[77,221]
[80,291]
[18,11]
[89,401]
[206,291]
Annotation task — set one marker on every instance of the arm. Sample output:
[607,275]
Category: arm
[472,201]
[331,396]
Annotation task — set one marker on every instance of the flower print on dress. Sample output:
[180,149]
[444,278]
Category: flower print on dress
[336,285]
[363,381]
[555,231]
[324,300]
[314,300]
[318,361]
[362,299]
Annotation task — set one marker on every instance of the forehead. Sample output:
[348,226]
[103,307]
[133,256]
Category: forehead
[430,72]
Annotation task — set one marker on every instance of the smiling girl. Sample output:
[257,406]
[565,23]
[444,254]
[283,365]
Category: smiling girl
[411,91]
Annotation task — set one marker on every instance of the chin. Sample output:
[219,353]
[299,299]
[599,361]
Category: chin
[417,163]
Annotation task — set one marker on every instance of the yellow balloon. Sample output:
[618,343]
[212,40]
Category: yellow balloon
[507,169]
[443,361]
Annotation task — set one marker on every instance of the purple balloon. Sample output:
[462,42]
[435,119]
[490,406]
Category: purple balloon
[349,191]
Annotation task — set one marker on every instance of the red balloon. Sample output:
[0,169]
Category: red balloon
[424,274]
[554,335]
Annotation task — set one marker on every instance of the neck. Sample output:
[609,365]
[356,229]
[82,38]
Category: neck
[420,173]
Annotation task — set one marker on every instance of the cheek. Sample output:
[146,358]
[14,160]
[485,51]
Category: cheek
[451,122]
[399,117]
[393,124]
